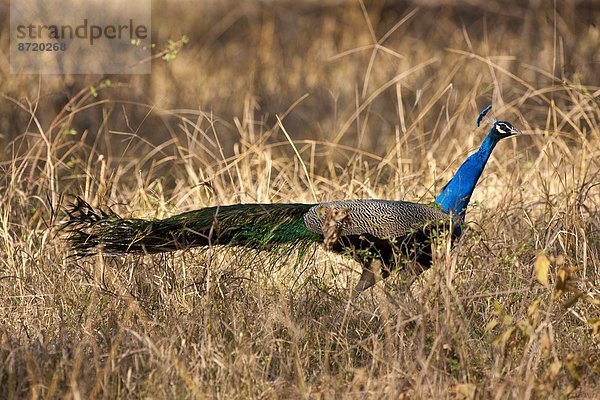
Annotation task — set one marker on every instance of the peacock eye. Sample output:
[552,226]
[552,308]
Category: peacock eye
[503,128]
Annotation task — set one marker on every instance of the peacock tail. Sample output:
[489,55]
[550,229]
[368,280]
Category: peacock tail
[257,226]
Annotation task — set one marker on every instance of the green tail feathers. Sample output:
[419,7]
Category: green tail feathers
[257,226]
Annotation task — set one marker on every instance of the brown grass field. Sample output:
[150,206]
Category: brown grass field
[376,100]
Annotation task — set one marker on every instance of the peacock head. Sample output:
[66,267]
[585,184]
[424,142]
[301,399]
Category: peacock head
[502,129]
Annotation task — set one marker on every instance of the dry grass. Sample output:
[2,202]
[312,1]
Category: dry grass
[391,120]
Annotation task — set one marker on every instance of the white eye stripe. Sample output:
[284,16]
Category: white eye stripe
[503,128]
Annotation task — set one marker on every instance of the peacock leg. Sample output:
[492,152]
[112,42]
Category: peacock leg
[370,275]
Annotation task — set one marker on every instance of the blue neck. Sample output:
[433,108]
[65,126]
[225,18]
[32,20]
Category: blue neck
[457,193]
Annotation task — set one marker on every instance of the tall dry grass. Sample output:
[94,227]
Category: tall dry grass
[379,101]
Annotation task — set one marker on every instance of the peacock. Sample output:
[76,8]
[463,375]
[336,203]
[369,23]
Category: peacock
[379,234]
